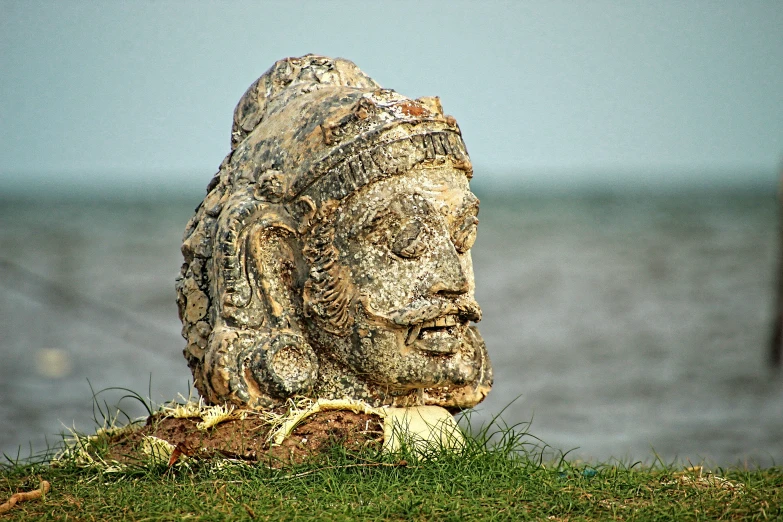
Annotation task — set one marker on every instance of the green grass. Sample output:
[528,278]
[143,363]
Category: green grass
[502,480]
[502,473]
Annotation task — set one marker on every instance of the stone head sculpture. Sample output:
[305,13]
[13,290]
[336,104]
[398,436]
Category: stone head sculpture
[330,257]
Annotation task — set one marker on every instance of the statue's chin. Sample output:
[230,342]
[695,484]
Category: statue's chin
[439,357]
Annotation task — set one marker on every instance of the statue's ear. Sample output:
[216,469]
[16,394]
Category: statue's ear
[258,353]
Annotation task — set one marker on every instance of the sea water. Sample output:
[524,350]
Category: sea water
[623,326]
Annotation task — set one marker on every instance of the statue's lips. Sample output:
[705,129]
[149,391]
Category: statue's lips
[441,335]
[437,326]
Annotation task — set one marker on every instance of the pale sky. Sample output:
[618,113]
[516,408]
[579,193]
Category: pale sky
[142,93]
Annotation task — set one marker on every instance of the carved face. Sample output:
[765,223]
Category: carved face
[330,257]
[404,244]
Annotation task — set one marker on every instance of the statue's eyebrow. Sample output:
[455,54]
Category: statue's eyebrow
[371,214]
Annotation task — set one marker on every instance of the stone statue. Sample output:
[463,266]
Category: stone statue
[330,257]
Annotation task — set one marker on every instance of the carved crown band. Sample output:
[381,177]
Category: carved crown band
[384,160]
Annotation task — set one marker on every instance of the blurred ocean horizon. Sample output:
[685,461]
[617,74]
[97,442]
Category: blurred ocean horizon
[627,323]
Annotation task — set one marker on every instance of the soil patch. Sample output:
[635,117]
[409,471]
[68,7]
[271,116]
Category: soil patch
[246,439]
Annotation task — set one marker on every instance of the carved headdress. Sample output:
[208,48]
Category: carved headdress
[308,133]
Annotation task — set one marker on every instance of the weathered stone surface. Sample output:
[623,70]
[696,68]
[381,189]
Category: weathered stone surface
[330,257]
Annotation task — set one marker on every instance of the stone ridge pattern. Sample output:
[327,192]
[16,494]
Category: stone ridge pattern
[330,257]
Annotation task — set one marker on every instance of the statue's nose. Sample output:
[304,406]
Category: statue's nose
[448,276]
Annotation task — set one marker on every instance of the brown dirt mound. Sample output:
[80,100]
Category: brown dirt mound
[246,439]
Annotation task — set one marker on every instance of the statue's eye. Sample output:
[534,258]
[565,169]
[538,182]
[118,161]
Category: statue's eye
[465,235]
[376,229]
[409,242]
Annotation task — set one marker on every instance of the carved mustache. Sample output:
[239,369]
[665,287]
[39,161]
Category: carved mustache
[428,310]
